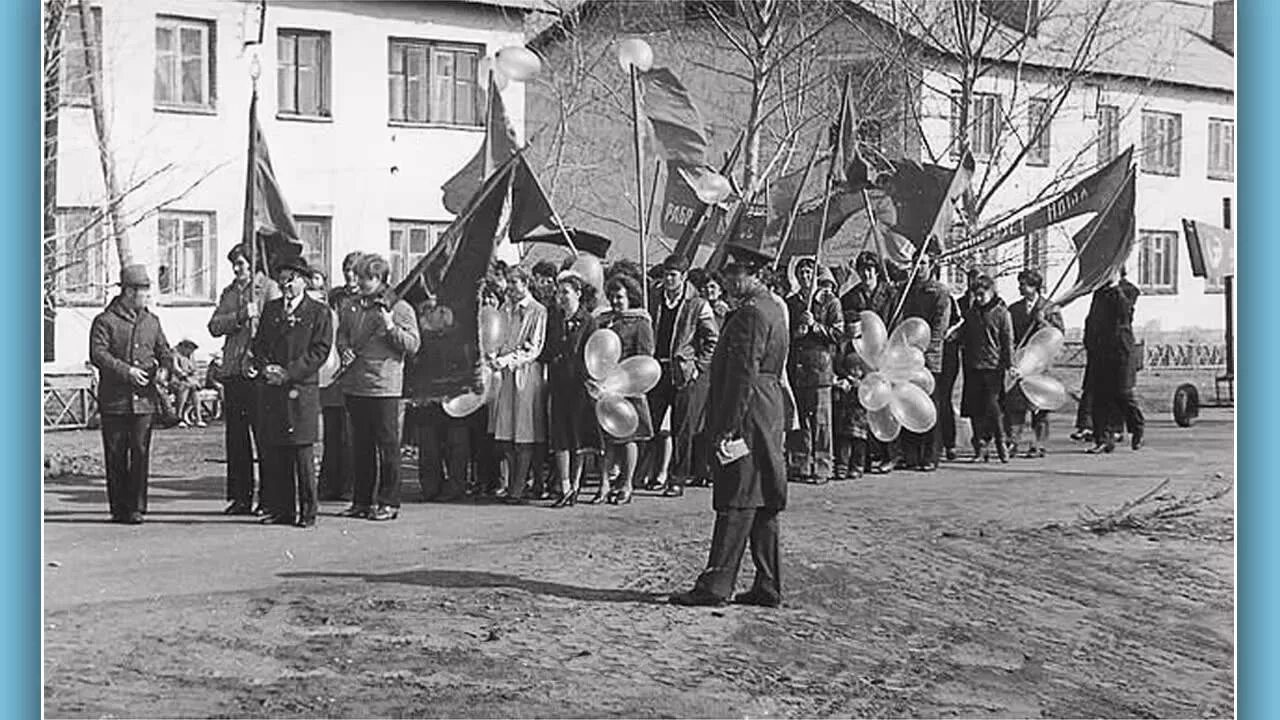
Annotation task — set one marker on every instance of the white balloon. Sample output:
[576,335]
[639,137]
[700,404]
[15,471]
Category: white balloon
[635,51]
[518,62]
[712,188]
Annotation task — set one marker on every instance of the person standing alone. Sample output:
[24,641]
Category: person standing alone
[128,347]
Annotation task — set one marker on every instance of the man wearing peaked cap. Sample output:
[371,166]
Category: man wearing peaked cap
[746,417]
[128,347]
[291,344]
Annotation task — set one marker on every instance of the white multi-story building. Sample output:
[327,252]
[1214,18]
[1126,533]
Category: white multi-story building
[367,107]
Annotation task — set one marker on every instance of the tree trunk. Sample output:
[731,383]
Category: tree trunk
[54,13]
[102,132]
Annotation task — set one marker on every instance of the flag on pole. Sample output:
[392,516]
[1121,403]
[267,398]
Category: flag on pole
[1104,243]
[267,218]
[498,145]
[849,169]
[677,125]
[1211,250]
[954,198]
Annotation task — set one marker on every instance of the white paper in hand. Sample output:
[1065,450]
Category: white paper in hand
[730,451]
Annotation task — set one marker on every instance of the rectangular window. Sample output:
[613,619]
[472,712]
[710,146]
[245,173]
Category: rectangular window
[72,70]
[1035,251]
[1038,121]
[184,63]
[302,83]
[1108,133]
[1158,261]
[314,234]
[430,82]
[185,249]
[77,266]
[410,240]
[1222,149]
[1161,143]
[984,125]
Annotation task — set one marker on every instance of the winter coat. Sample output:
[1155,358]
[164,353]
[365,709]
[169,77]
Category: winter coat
[635,330]
[693,339]
[859,298]
[810,361]
[987,337]
[747,401]
[520,414]
[120,339]
[289,413]
[930,301]
[231,320]
[1109,342]
[378,369]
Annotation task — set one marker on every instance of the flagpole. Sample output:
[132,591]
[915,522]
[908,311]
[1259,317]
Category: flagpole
[554,215]
[795,205]
[640,218]
[826,195]
[881,249]
[653,192]
[250,224]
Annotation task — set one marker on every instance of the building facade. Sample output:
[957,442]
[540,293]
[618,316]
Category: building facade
[367,108]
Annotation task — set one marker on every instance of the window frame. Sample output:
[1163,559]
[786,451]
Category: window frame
[1169,257]
[325,222]
[208,66]
[1225,173]
[96,253]
[325,72]
[402,260]
[974,135]
[208,266]
[69,25]
[1155,148]
[431,49]
[1108,131]
[1039,153]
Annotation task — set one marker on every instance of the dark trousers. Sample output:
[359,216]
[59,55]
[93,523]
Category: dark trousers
[1115,410]
[240,417]
[988,418]
[444,453]
[851,456]
[728,542]
[375,444]
[522,459]
[484,453]
[337,462]
[809,448]
[924,448]
[126,449]
[944,390]
[289,481]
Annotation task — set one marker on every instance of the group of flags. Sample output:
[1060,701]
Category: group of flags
[895,207]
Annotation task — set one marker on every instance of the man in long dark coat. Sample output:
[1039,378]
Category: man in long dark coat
[928,300]
[292,343]
[1113,365]
[747,404]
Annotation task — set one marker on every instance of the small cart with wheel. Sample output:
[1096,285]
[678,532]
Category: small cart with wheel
[1212,253]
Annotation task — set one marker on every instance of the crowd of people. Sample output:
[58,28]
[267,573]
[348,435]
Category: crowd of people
[301,367]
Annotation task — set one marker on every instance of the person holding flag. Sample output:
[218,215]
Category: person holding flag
[816,328]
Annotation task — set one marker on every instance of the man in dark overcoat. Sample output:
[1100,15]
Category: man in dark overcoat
[292,343]
[128,347]
[1111,352]
[928,299]
[746,403]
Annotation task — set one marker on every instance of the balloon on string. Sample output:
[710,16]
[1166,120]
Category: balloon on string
[588,267]
[518,62]
[1030,359]
[874,391]
[913,332]
[884,426]
[616,415]
[493,329]
[902,357]
[639,374]
[601,355]
[637,52]
[1044,392]
[874,336]
[913,407]
[1050,339]
[712,188]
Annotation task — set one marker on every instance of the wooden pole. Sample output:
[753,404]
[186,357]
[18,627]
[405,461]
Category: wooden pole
[640,213]
[795,205]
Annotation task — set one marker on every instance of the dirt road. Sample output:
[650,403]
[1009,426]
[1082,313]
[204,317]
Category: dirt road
[966,592]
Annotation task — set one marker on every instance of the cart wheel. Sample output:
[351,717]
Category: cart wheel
[1186,404]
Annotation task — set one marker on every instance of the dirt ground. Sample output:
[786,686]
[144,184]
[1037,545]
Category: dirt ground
[969,592]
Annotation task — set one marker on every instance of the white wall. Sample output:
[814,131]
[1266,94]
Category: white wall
[340,169]
[1162,202]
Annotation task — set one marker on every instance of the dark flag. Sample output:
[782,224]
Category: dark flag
[449,362]
[849,169]
[957,191]
[530,209]
[1211,250]
[677,124]
[498,145]
[1104,243]
[1020,15]
[266,214]
[583,241]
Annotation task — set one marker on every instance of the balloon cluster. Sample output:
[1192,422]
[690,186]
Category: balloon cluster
[493,330]
[896,394]
[616,380]
[1030,362]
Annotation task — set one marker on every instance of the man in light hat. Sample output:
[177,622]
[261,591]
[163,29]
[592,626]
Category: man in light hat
[817,325]
[235,318]
[128,347]
[292,343]
[746,418]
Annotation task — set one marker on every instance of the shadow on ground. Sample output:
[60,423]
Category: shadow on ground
[476,579]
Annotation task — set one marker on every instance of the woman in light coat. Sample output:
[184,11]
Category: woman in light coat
[520,414]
